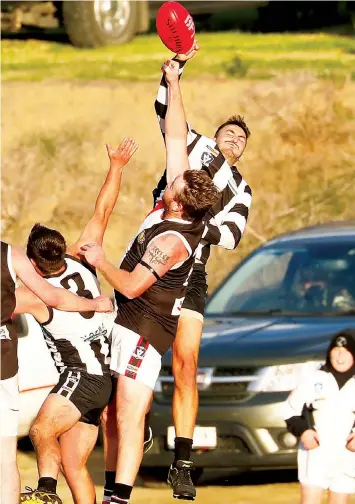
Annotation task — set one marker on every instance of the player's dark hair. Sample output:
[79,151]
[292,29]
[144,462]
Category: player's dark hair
[198,195]
[238,121]
[47,248]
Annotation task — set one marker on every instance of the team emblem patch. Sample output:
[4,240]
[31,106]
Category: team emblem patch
[341,341]
[141,237]
[139,353]
[206,158]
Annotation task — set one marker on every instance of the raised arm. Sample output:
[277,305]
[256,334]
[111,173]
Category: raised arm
[226,222]
[161,255]
[161,102]
[53,296]
[106,200]
[175,125]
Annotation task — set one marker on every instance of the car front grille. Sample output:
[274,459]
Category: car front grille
[216,385]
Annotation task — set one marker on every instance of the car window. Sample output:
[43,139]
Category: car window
[316,277]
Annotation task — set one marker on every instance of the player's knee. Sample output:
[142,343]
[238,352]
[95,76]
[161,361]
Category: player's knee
[35,432]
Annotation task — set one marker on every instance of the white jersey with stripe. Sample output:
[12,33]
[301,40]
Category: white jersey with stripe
[226,222]
[78,340]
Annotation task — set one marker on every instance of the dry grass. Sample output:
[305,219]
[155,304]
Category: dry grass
[299,161]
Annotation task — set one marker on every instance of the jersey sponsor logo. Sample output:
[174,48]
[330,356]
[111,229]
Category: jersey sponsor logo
[4,333]
[214,152]
[99,333]
[132,369]
[139,353]
[141,237]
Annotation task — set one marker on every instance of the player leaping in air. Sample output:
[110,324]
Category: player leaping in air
[216,156]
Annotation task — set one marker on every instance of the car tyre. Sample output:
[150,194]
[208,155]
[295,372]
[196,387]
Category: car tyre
[98,23]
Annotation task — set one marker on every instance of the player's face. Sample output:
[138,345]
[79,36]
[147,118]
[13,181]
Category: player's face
[231,141]
[341,359]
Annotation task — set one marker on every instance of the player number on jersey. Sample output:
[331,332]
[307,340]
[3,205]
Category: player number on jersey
[80,290]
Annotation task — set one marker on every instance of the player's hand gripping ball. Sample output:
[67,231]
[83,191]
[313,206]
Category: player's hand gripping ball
[175,27]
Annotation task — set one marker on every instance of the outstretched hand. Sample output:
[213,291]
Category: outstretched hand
[190,54]
[124,151]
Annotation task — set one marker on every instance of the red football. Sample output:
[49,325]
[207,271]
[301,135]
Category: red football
[175,27]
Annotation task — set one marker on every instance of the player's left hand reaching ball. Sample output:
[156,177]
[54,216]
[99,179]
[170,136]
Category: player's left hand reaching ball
[93,253]
[190,54]
[123,153]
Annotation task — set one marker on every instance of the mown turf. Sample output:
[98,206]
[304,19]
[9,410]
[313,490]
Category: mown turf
[231,54]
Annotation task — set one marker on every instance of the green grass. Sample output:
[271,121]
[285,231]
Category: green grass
[230,54]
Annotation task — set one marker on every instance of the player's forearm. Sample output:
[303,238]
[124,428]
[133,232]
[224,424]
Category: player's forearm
[161,102]
[175,134]
[64,300]
[108,195]
[120,279]
[175,122]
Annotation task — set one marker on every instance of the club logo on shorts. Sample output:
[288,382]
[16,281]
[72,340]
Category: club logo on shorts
[4,333]
[139,353]
[341,341]
[141,237]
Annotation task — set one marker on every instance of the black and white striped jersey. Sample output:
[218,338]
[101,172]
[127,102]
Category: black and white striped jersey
[78,339]
[8,336]
[154,314]
[227,220]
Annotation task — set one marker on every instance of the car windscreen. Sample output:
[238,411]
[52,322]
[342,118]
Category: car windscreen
[311,278]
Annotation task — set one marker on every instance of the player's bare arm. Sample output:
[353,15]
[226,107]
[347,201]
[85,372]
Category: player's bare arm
[161,255]
[27,302]
[53,296]
[107,198]
[175,124]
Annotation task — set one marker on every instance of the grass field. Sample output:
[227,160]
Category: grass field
[299,162]
[227,54]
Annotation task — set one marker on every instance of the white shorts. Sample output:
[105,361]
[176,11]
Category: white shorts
[316,469]
[134,357]
[9,407]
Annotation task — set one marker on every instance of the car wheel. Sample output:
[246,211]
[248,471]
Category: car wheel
[100,22]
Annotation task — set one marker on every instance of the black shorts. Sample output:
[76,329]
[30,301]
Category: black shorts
[89,393]
[196,293]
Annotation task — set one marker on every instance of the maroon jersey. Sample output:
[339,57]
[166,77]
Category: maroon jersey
[154,314]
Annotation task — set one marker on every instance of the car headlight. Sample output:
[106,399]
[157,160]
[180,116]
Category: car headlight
[283,378]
